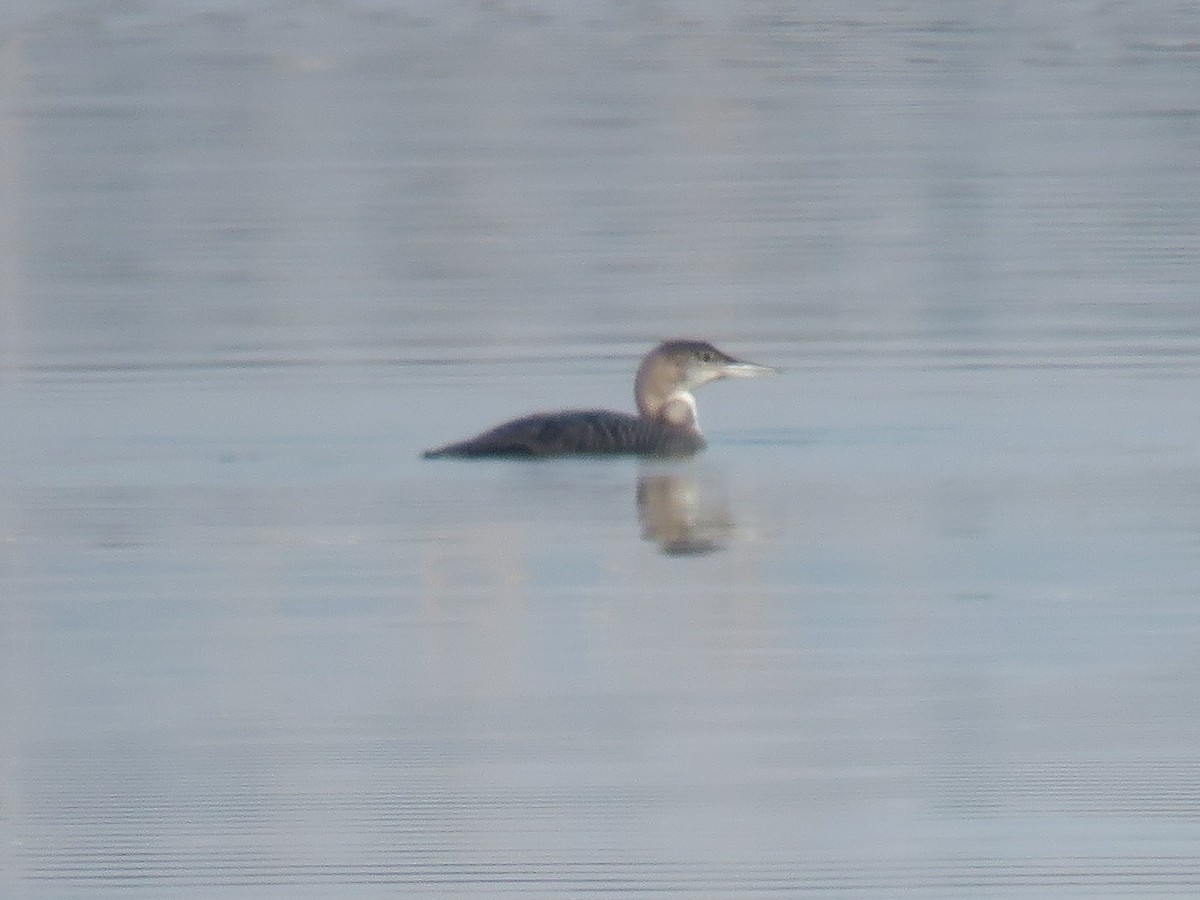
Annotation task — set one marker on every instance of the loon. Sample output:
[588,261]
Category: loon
[665,425]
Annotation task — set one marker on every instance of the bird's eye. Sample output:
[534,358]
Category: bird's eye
[706,356]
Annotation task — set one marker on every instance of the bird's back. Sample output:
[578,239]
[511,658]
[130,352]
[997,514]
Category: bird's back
[578,432]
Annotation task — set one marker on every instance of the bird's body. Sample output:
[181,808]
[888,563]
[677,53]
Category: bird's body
[666,425]
[582,432]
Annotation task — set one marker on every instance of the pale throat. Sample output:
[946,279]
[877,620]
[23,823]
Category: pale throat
[679,408]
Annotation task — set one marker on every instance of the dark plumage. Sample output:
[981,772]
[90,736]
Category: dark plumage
[583,432]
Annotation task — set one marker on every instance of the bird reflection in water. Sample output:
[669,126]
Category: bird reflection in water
[682,516]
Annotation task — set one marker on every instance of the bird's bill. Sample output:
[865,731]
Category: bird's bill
[739,369]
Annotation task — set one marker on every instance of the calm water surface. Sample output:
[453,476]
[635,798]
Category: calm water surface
[923,621]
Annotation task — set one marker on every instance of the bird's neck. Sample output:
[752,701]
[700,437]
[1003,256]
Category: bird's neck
[679,410]
[669,404]
[659,394]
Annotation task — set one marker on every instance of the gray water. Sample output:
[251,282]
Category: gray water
[923,621]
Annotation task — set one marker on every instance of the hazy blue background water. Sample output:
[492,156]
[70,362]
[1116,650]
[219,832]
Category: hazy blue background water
[923,621]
